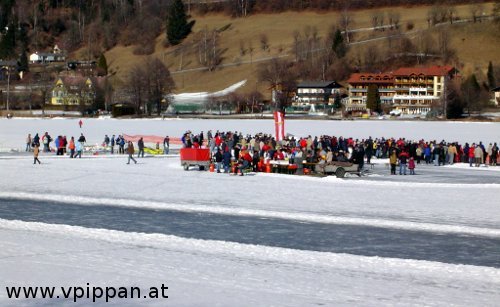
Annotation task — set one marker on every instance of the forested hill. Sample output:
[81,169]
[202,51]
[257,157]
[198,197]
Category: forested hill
[32,25]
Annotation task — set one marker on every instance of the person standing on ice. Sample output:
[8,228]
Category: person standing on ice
[166,145]
[411,166]
[112,143]
[478,155]
[80,123]
[72,147]
[140,146]
[28,142]
[46,139]
[36,151]
[78,148]
[82,139]
[393,159]
[130,151]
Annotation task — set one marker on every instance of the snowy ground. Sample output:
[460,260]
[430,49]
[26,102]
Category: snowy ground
[262,239]
[13,132]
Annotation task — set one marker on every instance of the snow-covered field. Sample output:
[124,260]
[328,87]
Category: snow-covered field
[262,239]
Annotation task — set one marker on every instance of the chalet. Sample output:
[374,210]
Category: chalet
[73,91]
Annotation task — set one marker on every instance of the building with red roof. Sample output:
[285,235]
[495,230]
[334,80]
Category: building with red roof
[358,89]
[408,90]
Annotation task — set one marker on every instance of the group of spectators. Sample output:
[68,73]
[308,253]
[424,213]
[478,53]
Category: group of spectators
[249,150]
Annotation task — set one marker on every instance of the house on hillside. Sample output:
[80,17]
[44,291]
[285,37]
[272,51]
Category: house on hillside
[45,57]
[316,92]
[496,95]
[73,91]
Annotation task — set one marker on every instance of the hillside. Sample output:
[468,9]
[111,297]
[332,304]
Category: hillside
[475,44]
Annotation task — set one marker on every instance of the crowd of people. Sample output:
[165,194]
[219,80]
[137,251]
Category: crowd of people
[255,151]
[249,150]
[61,146]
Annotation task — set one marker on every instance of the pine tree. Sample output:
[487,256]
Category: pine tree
[177,25]
[23,62]
[373,99]
[491,77]
[102,64]
[8,44]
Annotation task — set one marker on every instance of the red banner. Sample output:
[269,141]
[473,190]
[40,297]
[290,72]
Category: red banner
[279,125]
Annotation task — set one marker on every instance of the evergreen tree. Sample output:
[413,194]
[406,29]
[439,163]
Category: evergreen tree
[177,25]
[23,62]
[8,44]
[454,104]
[491,77]
[373,99]
[338,46]
[102,64]
[470,93]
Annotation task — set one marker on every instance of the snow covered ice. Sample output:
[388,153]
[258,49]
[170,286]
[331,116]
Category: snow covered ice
[266,239]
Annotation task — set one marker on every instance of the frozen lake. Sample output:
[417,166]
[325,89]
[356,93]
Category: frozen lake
[352,239]
[263,239]
[13,132]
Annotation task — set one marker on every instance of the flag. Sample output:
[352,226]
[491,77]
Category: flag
[279,125]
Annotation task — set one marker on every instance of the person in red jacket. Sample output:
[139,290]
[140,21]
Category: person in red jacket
[244,161]
[411,166]
[278,155]
[471,154]
[403,158]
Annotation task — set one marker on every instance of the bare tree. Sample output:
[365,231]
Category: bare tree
[243,50]
[346,20]
[264,42]
[159,84]
[444,46]
[135,85]
[394,19]
[280,76]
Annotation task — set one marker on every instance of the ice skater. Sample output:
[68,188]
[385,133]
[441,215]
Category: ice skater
[80,123]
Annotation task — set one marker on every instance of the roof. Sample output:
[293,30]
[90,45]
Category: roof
[426,71]
[370,78]
[319,84]
[8,63]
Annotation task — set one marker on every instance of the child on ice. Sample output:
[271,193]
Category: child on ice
[411,166]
